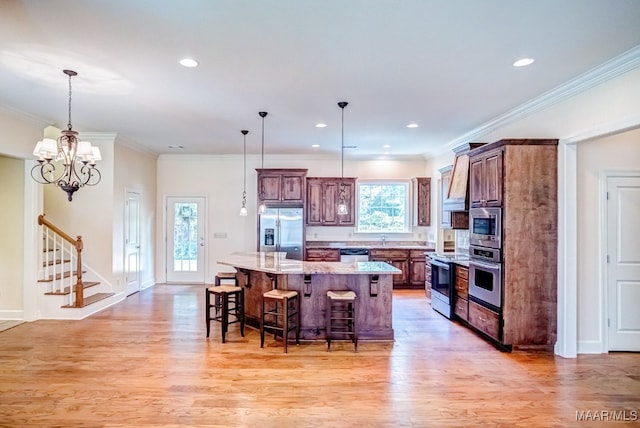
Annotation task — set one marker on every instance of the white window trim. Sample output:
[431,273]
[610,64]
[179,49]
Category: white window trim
[408,205]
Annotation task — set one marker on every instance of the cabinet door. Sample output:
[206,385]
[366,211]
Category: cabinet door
[445,179]
[269,187]
[401,279]
[423,201]
[322,255]
[314,202]
[417,271]
[330,190]
[476,193]
[292,188]
[349,190]
[493,179]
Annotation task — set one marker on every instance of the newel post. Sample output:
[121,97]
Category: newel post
[79,287]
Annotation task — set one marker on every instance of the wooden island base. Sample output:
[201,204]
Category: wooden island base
[371,281]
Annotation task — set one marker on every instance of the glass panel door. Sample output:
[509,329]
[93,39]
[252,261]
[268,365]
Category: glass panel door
[185,239]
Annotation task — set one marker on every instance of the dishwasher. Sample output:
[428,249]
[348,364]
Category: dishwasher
[354,255]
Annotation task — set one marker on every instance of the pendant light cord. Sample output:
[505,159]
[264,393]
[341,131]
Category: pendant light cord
[69,123]
[342,146]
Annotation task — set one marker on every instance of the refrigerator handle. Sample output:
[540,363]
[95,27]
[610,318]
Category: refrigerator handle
[278,243]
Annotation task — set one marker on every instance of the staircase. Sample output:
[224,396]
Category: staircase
[62,269]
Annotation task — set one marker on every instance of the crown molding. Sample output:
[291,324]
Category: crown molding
[613,68]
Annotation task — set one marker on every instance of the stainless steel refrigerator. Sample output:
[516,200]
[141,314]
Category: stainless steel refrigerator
[282,230]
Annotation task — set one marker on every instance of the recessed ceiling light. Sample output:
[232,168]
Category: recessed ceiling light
[412,125]
[188,62]
[321,125]
[386,146]
[315,145]
[523,62]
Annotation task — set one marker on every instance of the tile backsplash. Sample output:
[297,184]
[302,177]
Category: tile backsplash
[462,240]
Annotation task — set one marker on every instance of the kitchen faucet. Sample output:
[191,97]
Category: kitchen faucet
[384,240]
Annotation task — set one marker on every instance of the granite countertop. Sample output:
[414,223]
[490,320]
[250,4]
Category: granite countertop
[277,263]
[371,245]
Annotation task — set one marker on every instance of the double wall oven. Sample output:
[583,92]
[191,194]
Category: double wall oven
[485,257]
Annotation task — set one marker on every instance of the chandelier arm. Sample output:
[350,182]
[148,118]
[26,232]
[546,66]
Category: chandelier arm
[43,169]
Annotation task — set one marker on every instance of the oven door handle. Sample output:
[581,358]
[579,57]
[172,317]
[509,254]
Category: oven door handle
[439,264]
[493,266]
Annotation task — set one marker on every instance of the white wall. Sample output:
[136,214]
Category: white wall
[91,212]
[12,248]
[219,179]
[615,153]
[135,170]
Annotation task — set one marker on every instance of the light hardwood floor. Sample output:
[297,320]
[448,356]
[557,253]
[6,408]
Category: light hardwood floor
[146,363]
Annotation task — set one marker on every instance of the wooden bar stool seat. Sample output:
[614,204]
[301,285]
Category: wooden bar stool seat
[229,301]
[227,277]
[280,315]
[341,317]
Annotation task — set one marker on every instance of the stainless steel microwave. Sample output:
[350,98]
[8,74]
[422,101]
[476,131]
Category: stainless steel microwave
[485,227]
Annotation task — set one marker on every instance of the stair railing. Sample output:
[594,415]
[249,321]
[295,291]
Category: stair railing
[58,245]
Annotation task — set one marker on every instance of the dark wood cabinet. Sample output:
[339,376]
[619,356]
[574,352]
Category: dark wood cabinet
[427,277]
[322,255]
[485,182]
[323,198]
[281,186]
[422,211]
[417,265]
[484,320]
[412,263]
[461,282]
[450,219]
[398,259]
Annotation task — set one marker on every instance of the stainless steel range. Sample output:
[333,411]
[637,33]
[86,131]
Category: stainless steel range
[442,282]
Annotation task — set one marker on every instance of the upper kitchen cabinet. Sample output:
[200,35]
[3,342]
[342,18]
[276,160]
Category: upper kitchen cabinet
[281,186]
[323,198]
[422,206]
[485,183]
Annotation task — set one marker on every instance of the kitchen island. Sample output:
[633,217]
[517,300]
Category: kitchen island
[371,281]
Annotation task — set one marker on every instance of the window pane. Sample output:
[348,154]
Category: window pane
[383,207]
[185,237]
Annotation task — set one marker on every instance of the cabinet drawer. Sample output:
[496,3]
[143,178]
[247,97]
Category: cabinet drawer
[462,308]
[323,255]
[462,272]
[462,288]
[389,254]
[484,319]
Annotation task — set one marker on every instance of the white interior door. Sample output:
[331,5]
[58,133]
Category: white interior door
[623,267]
[132,243]
[185,239]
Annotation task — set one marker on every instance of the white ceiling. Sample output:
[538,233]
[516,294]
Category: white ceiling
[445,65]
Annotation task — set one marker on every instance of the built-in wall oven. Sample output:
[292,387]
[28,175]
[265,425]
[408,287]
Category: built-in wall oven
[441,285]
[485,276]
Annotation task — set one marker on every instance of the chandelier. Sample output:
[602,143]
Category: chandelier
[78,158]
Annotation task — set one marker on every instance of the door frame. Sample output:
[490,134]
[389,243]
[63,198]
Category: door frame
[603,245]
[125,270]
[165,214]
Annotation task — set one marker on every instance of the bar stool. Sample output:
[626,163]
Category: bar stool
[280,315]
[229,300]
[341,317]
[226,276]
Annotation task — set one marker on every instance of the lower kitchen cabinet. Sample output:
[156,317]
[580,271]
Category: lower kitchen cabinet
[417,264]
[427,276]
[461,282]
[397,258]
[485,320]
[322,255]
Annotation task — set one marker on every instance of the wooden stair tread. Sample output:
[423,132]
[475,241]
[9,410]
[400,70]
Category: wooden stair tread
[91,299]
[67,290]
[55,262]
[58,276]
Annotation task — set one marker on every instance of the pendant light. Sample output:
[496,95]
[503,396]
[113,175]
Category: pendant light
[342,205]
[243,210]
[262,208]
[78,158]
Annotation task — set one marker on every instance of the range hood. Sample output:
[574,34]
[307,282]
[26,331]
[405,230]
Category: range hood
[457,197]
